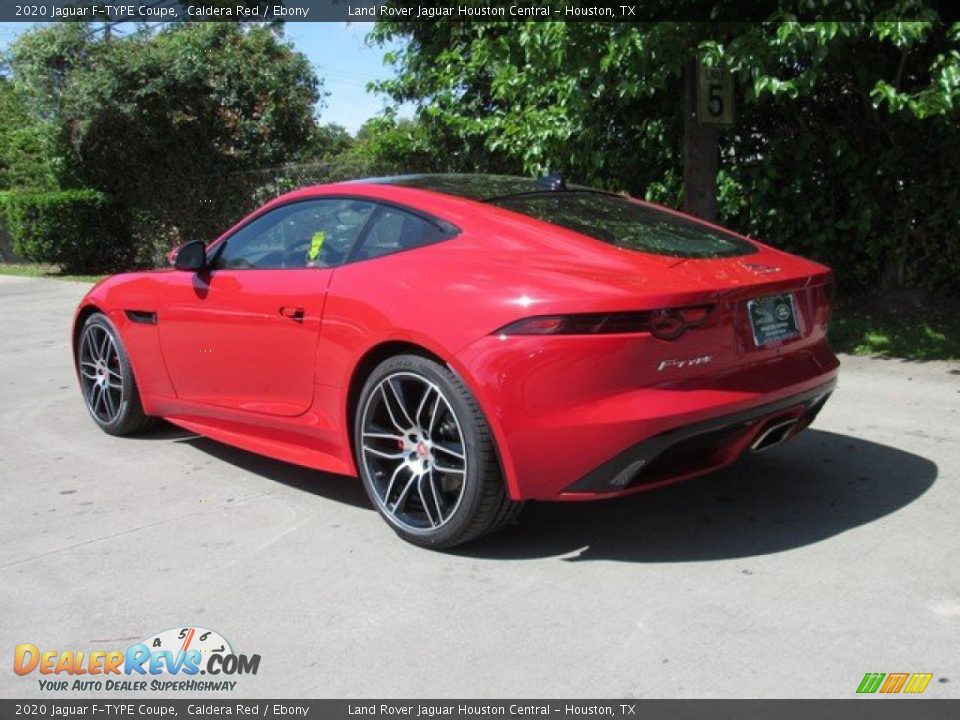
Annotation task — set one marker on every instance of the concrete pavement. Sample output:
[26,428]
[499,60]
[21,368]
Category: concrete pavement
[789,575]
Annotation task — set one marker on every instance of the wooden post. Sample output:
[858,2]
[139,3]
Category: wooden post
[701,151]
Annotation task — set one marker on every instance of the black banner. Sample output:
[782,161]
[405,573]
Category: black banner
[856,709]
[113,11]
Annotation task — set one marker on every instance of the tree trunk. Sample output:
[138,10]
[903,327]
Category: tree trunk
[701,151]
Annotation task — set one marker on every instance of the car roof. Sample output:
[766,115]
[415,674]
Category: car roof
[475,186]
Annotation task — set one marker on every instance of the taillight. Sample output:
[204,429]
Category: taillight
[667,324]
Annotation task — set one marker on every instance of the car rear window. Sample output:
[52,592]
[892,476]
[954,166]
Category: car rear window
[627,224]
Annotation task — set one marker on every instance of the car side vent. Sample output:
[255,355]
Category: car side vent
[144,317]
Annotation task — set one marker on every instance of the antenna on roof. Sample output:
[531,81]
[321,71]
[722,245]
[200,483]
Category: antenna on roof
[554,181]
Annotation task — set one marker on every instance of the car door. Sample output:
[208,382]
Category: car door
[244,332]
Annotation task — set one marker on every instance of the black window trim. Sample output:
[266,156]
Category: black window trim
[552,193]
[363,235]
[362,238]
[447,229]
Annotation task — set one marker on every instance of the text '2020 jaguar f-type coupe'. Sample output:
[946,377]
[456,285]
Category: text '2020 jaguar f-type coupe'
[467,342]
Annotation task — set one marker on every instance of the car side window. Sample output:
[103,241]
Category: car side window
[310,233]
[392,230]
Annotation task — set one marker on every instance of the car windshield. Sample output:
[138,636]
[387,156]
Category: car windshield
[627,224]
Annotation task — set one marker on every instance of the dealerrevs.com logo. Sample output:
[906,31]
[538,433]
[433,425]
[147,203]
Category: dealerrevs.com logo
[171,660]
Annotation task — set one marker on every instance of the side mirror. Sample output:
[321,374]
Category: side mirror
[191,257]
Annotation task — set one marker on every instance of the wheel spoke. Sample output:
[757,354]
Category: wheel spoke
[393,418]
[433,415]
[436,495]
[423,401]
[111,408]
[116,374]
[403,408]
[381,453]
[393,480]
[423,502]
[383,436]
[97,397]
[86,348]
[448,451]
[104,352]
[403,494]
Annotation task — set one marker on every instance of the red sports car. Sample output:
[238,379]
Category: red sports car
[467,342]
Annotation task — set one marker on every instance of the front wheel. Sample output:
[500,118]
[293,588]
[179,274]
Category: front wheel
[106,378]
[426,455]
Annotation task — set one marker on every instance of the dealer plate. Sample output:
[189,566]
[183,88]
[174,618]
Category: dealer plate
[773,319]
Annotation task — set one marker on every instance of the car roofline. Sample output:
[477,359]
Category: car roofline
[536,189]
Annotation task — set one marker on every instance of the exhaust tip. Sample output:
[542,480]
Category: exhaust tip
[773,435]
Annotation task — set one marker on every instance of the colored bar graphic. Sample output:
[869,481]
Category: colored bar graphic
[918,682]
[894,683]
[870,682]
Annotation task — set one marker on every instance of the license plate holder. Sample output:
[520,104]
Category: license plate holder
[773,319]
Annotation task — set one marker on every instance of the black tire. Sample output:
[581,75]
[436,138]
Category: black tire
[482,505]
[116,410]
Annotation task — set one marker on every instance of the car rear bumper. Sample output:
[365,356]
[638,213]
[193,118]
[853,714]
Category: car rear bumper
[701,447]
[575,425]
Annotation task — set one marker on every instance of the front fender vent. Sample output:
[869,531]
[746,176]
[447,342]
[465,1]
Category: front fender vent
[144,317]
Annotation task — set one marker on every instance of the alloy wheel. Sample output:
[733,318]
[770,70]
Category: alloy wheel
[413,451]
[101,373]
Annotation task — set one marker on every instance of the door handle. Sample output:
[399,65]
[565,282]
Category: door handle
[294,313]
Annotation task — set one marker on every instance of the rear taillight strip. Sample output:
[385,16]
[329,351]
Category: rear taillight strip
[665,324]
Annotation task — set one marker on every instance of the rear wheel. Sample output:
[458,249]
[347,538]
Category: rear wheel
[426,455]
[106,378]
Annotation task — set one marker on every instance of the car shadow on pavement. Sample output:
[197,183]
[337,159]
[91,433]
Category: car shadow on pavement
[162,430]
[805,491]
[339,488]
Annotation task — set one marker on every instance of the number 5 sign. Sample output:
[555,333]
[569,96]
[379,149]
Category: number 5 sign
[714,96]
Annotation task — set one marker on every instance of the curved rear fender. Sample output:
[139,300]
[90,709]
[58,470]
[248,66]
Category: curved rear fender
[489,409]
[414,343]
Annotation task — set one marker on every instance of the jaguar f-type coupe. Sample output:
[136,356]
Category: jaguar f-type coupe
[464,343]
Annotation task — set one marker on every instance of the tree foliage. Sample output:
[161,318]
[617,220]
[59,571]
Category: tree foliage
[846,144]
[79,230]
[26,147]
[388,144]
[174,124]
[330,140]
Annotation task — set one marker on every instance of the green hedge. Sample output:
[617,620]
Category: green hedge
[80,230]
